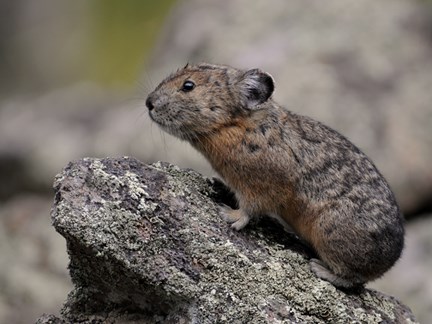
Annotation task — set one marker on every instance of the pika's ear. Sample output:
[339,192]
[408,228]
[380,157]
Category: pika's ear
[256,87]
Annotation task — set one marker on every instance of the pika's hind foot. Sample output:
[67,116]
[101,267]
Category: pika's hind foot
[322,271]
[237,217]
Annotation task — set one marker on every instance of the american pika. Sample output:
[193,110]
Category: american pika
[282,164]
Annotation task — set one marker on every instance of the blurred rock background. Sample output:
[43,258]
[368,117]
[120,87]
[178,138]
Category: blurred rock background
[74,76]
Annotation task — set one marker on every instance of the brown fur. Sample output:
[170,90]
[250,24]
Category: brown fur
[290,166]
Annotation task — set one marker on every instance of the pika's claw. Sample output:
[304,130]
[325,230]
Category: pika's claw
[237,217]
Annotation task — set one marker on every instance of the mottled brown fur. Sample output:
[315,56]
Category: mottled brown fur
[282,164]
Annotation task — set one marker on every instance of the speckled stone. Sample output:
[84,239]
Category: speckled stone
[146,245]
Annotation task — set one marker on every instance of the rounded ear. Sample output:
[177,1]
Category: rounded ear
[256,87]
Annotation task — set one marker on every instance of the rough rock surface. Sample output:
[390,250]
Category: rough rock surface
[146,245]
[362,67]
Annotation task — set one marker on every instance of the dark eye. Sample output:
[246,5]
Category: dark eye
[188,86]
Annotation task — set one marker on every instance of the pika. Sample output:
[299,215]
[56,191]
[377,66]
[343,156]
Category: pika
[285,165]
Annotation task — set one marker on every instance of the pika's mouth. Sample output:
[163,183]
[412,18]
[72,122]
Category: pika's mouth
[152,117]
[167,127]
[161,123]
[169,122]
[155,115]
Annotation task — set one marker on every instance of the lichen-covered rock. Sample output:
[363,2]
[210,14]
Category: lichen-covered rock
[146,245]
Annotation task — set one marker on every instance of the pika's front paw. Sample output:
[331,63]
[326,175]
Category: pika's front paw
[237,217]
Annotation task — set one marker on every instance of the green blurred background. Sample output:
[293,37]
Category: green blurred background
[48,44]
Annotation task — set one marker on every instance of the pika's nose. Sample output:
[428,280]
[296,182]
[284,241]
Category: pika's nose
[149,103]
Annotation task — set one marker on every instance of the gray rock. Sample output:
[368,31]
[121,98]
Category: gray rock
[146,245]
[50,319]
[362,67]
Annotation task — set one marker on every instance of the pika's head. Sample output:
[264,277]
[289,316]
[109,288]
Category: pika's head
[203,98]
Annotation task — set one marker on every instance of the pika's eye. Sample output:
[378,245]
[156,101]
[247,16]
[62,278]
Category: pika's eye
[187,86]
